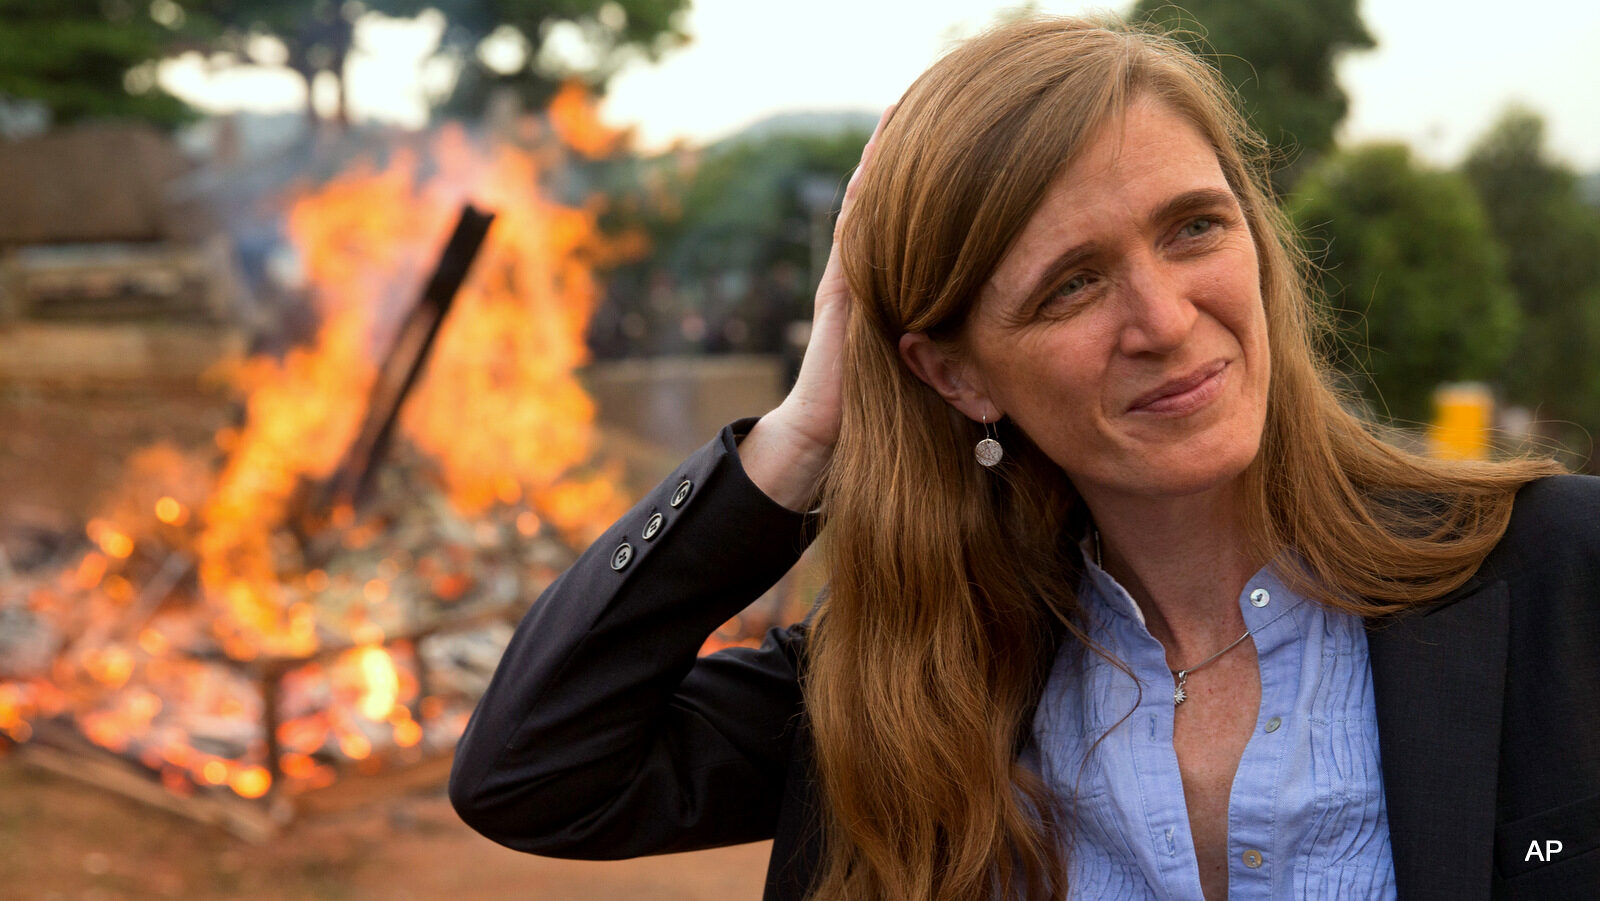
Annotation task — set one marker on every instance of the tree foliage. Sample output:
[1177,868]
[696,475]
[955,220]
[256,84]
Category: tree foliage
[555,41]
[86,59]
[739,233]
[1412,270]
[1552,243]
[746,205]
[595,38]
[1279,55]
[317,34]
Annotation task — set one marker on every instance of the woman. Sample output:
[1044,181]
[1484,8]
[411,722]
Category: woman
[1132,658]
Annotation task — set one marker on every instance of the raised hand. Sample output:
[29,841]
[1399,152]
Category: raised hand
[788,449]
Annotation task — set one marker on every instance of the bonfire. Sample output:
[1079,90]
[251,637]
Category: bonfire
[226,638]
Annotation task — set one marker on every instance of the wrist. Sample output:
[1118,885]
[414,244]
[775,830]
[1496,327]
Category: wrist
[784,462]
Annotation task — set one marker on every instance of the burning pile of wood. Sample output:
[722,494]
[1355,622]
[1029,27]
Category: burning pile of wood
[311,599]
[412,614]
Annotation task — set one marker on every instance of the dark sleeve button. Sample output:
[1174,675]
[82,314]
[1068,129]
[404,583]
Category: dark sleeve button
[652,526]
[682,494]
[622,556]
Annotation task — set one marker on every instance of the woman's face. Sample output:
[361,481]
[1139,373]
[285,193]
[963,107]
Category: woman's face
[1124,331]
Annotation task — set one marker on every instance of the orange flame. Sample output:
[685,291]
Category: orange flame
[499,410]
[576,120]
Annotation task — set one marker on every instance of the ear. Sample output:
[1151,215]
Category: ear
[952,378]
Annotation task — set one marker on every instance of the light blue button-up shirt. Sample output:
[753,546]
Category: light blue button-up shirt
[1306,816]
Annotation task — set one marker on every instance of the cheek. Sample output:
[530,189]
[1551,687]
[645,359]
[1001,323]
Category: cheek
[1239,306]
[1258,334]
[1249,282]
[1257,345]
[1055,404]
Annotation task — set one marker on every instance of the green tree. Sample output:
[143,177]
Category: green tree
[739,230]
[494,43]
[316,35]
[1412,271]
[751,200]
[1552,242]
[85,59]
[1279,55]
[542,43]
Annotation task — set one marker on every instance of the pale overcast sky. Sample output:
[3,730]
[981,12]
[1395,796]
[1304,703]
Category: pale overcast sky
[1441,74]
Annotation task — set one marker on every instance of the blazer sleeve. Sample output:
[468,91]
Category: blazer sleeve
[602,735]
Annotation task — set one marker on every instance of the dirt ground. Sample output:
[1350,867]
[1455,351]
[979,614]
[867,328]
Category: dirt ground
[63,841]
[60,451]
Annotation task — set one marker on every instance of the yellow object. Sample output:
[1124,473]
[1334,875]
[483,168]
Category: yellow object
[1462,416]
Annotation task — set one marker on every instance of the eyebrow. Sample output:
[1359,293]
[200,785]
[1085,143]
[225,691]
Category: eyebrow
[1178,205]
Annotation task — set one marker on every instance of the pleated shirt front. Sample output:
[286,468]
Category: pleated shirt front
[1306,816]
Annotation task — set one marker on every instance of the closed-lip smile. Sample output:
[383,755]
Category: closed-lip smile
[1182,394]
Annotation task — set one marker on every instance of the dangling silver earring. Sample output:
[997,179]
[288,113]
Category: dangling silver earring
[988,450]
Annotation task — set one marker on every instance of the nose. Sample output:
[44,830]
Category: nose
[1159,313]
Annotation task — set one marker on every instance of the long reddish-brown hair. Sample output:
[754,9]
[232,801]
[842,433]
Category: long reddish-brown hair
[951,586]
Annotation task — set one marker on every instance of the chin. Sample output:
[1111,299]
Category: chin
[1198,483]
[1196,469]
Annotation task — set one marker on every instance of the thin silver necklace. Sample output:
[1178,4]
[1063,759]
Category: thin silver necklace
[1180,677]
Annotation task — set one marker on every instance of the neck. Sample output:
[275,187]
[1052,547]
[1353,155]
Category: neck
[1183,560]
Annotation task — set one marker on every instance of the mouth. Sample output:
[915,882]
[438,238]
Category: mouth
[1183,394]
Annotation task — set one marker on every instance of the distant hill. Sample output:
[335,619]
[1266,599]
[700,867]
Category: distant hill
[803,122]
[1589,189]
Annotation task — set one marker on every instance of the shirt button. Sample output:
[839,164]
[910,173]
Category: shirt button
[1273,724]
[622,556]
[1260,597]
[682,494]
[1252,858]
[652,526]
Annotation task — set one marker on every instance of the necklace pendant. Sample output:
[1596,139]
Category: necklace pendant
[1178,693]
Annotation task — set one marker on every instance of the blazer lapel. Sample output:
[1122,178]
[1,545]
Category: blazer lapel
[1438,680]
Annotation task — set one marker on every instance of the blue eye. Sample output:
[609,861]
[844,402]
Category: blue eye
[1197,227]
[1072,285]
[1069,297]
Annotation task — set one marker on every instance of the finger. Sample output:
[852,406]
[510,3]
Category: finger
[852,186]
[866,152]
[882,121]
[872,142]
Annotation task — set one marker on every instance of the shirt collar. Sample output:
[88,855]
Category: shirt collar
[1105,595]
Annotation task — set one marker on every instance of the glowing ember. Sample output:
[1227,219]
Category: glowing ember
[250,781]
[169,511]
[110,540]
[379,683]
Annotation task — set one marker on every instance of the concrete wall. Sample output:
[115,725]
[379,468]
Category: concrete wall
[678,403]
[89,354]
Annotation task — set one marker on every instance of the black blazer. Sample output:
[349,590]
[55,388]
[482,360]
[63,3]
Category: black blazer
[602,736]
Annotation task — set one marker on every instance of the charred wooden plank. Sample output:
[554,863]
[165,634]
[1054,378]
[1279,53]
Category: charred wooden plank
[346,487]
